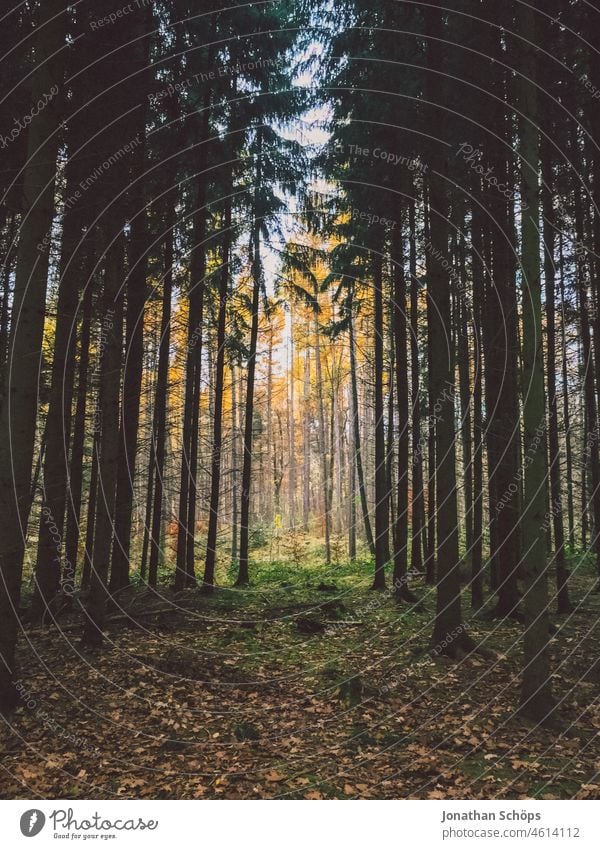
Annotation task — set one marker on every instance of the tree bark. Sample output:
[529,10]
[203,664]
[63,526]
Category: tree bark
[18,418]
[160,402]
[418,506]
[108,443]
[449,634]
[243,577]
[208,583]
[382,549]
[536,694]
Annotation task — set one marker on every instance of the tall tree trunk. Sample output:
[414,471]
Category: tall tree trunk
[136,298]
[8,265]
[351,467]
[243,577]
[382,518]
[448,633]
[400,587]
[389,448]
[418,506]
[292,474]
[362,490]
[306,443]
[566,410]
[502,353]
[90,516]
[323,444]
[270,430]
[536,694]
[464,372]
[234,468]
[50,555]
[79,429]
[591,410]
[160,402]
[215,484]
[478,435]
[108,445]
[430,549]
[18,419]
[556,502]
[186,528]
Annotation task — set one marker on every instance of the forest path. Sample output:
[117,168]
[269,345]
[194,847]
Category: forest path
[230,697]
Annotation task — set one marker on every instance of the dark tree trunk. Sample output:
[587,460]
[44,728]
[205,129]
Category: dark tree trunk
[88,551]
[186,529]
[382,549]
[418,506]
[50,555]
[160,403]
[132,385]
[322,443]
[449,635]
[503,431]
[431,400]
[18,421]
[400,586]
[140,27]
[357,440]
[566,409]
[556,502]
[591,412]
[537,702]
[79,429]
[108,444]
[464,371]
[243,572]
[208,583]
[478,437]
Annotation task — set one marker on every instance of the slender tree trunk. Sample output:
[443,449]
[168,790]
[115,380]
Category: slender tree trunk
[502,351]
[8,265]
[389,448]
[401,588]
[208,583]
[351,466]
[464,371]
[50,555]
[79,429]
[186,526]
[430,551]
[234,468]
[292,475]
[108,452]
[478,436]
[306,443]
[382,549]
[323,444]
[90,516]
[160,403]
[418,507]
[536,694]
[243,577]
[556,502]
[566,411]
[270,430]
[136,299]
[357,440]
[449,634]
[591,412]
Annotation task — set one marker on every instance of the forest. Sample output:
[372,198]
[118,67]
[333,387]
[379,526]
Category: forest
[299,399]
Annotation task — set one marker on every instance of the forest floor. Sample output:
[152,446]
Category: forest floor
[232,696]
